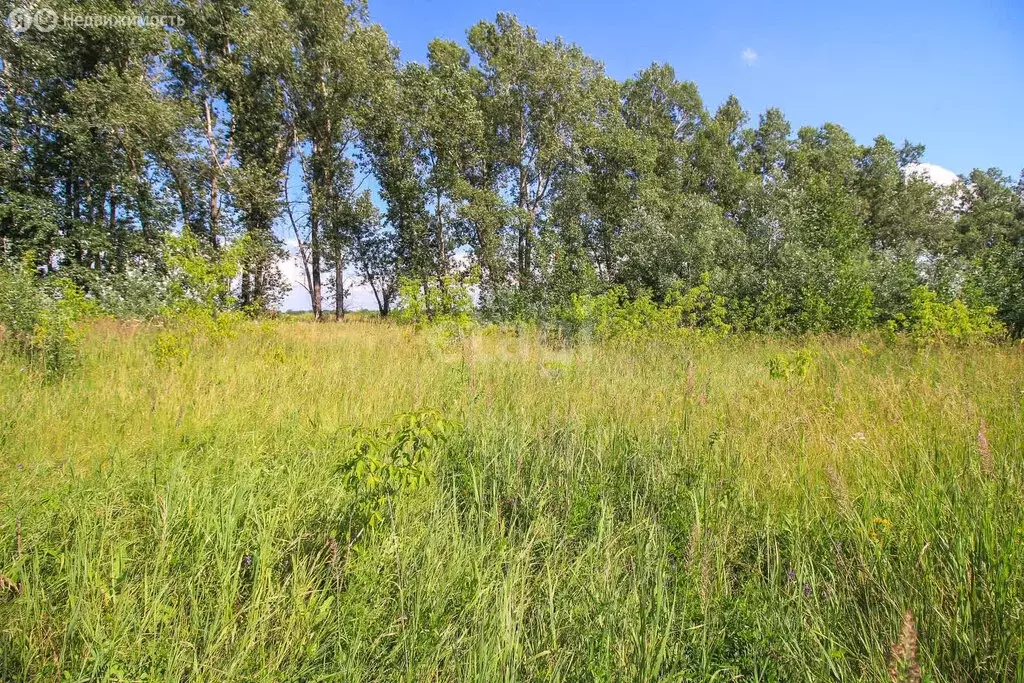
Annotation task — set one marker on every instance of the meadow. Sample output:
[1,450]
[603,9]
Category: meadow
[365,501]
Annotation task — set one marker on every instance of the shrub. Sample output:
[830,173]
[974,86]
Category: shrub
[199,293]
[139,293]
[385,463]
[200,282]
[699,308]
[170,348]
[41,317]
[613,315]
[449,301]
[929,320]
[786,365]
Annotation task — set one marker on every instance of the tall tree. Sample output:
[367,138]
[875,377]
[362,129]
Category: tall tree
[336,58]
[82,118]
[261,135]
[990,230]
[536,98]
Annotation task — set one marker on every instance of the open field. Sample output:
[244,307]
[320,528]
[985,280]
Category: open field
[595,512]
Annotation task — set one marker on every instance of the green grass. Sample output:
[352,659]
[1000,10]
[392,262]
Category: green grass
[592,514]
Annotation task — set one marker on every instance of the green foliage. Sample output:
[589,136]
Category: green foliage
[200,282]
[614,315]
[794,363]
[932,321]
[448,301]
[170,348]
[134,294]
[41,318]
[699,308]
[386,463]
[200,301]
[511,151]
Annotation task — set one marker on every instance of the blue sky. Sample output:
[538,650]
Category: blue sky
[949,75]
[946,74]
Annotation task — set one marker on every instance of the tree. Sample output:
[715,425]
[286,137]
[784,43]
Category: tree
[336,58]
[990,237]
[82,119]
[510,158]
[261,136]
[373,253]
[536,98]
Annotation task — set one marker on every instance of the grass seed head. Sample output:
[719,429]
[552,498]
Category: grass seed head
[8,585]
[988,465]
[903,664]
[837,486]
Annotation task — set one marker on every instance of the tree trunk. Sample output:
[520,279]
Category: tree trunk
[246,293]
[314,257]
[525,230]
[442,252]
[339,288]
[215,171]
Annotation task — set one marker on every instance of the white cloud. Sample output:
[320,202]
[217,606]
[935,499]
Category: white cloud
[933,172]
[749,56]
[360,297]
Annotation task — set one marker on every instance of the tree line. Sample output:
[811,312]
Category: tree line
[509,164]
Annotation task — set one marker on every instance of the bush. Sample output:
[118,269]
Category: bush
[199,294]
[386,463]
[200,282]
[449,301]
[40,317]
[929,320]
[171,349]
[786,365]
[613,315]
[140,293]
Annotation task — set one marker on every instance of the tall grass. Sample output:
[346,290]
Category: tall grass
[652,512]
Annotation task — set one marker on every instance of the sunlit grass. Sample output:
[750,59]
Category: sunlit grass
[593,513]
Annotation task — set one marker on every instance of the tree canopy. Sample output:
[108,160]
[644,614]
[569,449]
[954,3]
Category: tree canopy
[510,162]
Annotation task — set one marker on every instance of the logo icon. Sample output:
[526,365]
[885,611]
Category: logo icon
[20,19]
[46,20]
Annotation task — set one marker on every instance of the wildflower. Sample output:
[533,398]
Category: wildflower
[879,527]
[807,590]
[791,575]
[247,561]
